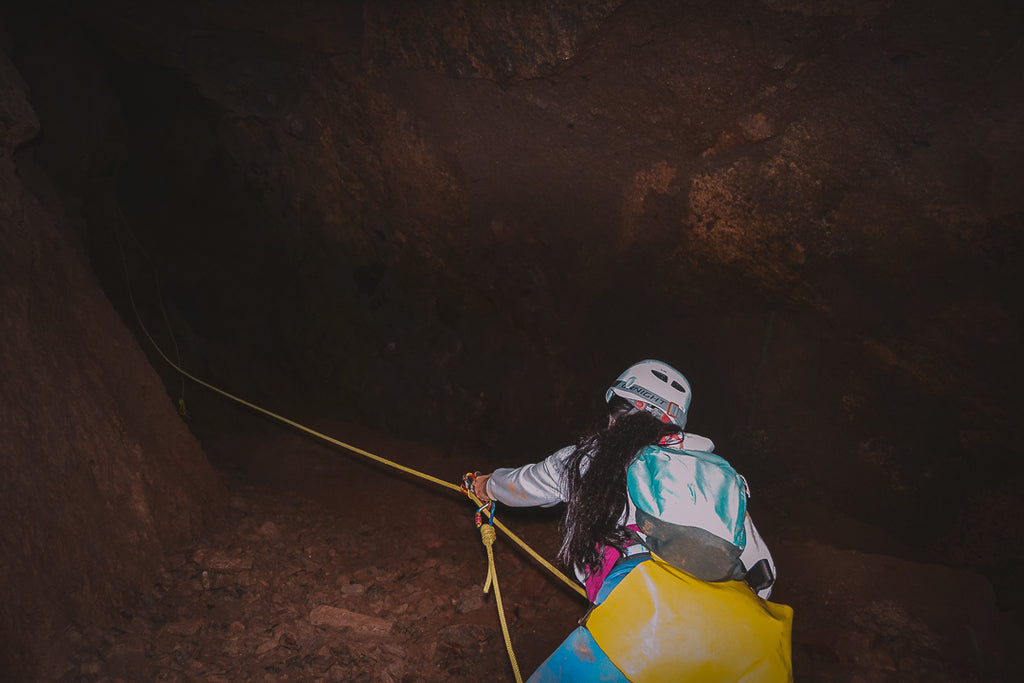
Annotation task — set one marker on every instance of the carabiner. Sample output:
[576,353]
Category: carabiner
[490,514]
[467,482]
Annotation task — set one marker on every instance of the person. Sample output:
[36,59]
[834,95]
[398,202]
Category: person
[648,406]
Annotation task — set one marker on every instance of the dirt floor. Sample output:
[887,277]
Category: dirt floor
[330,568]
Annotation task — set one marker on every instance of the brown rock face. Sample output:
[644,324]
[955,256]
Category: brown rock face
[98,476]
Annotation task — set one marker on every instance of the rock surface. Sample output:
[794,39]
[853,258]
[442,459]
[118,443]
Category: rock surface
[99,477]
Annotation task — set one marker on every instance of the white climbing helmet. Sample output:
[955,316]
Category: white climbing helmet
[655,387]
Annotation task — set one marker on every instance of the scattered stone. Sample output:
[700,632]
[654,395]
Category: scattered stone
[337,617]
[269,530]
[185,627]
[449,570]
[461,644]
[223,560]
[176,561]
[471,600]
[757,127]
[266,646]
[339,674]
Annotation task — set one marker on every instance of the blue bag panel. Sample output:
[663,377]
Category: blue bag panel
[578,658]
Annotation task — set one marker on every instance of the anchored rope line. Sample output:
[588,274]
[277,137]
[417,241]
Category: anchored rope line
[355,449]
[180,403]
[487,533]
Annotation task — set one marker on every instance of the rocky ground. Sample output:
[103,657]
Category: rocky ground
[327,568]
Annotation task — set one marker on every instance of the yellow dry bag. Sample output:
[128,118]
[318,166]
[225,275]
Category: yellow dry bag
[662,624]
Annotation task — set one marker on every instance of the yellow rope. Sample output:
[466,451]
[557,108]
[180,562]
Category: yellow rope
[384,461]
[530,551]
[486,530]
[182,408]
[487,535]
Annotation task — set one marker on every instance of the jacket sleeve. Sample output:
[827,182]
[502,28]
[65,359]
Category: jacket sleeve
[540,484]
[755,551]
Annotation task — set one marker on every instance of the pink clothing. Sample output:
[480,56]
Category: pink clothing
[609,556]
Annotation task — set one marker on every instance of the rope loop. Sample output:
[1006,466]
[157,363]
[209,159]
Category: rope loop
[487,534]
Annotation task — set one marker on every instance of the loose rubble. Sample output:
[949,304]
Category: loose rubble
[287,588]
[326,570]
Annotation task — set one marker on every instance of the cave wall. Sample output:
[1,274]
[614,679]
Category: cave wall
[460,224]
[99,477]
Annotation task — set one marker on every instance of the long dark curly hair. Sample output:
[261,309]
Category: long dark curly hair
[596,483]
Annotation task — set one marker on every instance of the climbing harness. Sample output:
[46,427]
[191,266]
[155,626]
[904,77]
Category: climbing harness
[487,532]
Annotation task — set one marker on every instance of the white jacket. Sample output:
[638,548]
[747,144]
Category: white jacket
[542,484]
